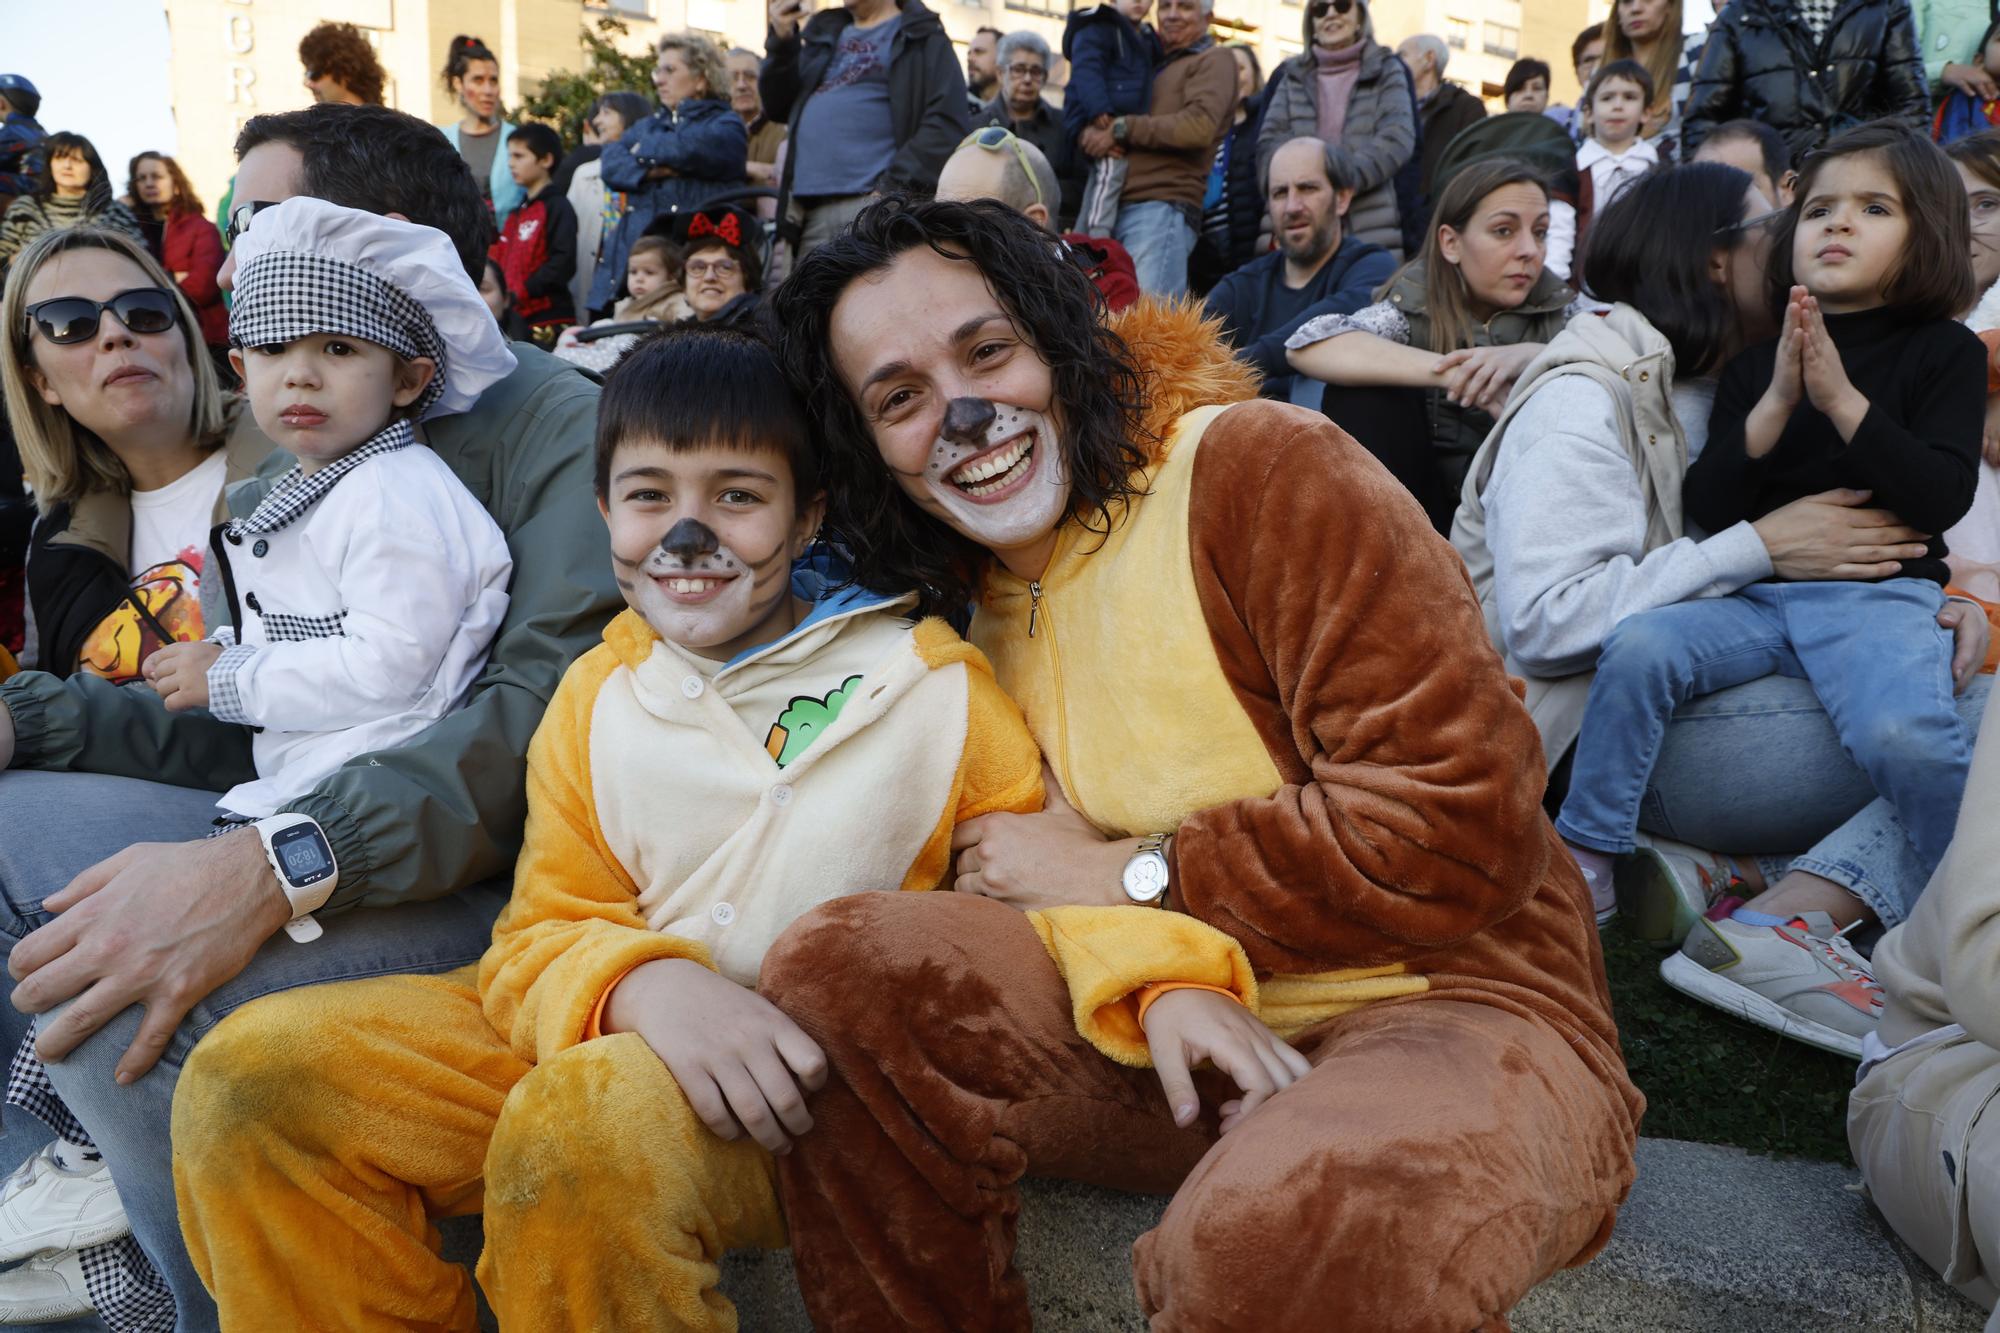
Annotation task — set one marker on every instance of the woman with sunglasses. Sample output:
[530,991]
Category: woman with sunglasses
[74,190]
[128,443]
[1572,521]
[1353,92]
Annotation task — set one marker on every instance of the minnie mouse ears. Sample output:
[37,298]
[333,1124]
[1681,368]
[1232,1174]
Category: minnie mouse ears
[726,223]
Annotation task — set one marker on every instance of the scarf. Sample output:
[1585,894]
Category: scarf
[1338,73]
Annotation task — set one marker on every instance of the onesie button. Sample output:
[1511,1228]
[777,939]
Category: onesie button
[692,687]
[781,795]
[261,549]
[251,601]
[722,914]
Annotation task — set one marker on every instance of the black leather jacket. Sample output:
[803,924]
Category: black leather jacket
[1761,62]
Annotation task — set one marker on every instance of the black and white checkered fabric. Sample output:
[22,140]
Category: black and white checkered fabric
[298,491]
[281,628]
[129,1293]
[28,1087]
[285,295]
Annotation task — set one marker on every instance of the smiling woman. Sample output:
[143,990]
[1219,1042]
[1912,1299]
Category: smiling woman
[121,427]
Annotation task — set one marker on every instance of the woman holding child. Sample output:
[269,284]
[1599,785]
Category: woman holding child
[129,444]
[1557,579]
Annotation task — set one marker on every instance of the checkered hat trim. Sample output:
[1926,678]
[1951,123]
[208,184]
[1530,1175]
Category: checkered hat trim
[284,295]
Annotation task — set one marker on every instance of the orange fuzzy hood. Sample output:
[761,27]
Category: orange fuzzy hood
[1185,363]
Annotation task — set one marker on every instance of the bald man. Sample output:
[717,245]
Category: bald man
[1016,173]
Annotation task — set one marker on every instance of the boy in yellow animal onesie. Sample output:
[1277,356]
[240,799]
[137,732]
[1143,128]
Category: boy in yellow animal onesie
[749,741]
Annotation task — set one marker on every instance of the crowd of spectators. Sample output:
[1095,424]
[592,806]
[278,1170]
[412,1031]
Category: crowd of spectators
[1698,379]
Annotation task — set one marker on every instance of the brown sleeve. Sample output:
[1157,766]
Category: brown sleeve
[1410,815]
[1206,98]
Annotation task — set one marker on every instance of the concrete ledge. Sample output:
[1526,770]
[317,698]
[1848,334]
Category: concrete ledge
[1713,1240]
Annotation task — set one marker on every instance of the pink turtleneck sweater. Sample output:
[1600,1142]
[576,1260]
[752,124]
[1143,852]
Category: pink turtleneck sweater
[1338,72]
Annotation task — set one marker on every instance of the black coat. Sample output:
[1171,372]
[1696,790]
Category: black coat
[927,100]
[72,589]
[1761,63]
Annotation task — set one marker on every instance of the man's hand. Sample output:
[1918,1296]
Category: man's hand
[1055,858]
[661,173]
[741,1063]
[1185,1027]
[1972,79]
[178,673]
[785,16]
[160,925]
[1970,631]
[1096,141]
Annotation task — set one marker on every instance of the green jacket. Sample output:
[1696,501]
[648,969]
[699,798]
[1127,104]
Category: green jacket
[445,810]
[1948,32]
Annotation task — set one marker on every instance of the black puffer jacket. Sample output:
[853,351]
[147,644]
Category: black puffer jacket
[1761,63]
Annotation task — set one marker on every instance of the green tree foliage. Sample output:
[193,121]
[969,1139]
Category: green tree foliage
[564,99]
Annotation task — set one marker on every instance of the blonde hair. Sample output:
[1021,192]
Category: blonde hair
[63,460]
[703,56]
[1666,59]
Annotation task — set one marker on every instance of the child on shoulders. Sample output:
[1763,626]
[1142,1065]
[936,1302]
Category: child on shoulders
[1111,53]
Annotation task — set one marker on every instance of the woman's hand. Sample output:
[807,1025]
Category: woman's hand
[1482,377]
[1825,377]
[1970,632]
[1972,80]
[743,1065]
[1831,536]
[178,673]
[1185,1027]
[1054,858]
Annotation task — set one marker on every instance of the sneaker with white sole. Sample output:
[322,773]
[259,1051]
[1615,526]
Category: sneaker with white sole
[1664,887]
[1802,979]
[62,1198]
[48,1288]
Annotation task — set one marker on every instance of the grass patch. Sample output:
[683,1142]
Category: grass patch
[1716,1079]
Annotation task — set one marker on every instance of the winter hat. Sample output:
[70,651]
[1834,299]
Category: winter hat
[20,94]
[308,267]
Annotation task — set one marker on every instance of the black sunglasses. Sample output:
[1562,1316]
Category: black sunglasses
[74,319]
[1320,7]
[239,219]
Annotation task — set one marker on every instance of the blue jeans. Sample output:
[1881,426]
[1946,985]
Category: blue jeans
[1759,768]
[1876,658]
[55,825]
[1160,240]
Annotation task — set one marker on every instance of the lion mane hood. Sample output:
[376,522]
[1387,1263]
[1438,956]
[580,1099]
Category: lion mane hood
[1179,352]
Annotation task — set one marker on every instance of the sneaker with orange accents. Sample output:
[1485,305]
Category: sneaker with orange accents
[1802,979]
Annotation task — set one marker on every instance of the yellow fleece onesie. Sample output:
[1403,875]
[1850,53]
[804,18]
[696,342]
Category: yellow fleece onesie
[320,1132]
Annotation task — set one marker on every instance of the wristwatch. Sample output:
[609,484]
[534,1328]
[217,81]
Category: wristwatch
[1120,131]
[1147,873]
[302,859]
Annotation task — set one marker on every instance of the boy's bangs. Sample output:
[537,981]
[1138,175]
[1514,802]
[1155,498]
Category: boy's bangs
[689,389]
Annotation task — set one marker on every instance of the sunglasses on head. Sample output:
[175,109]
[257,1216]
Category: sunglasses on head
[74,319]
[1000,139]
[1321,8]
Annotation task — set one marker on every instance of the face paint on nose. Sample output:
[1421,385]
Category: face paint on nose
[996,473]
[696,592]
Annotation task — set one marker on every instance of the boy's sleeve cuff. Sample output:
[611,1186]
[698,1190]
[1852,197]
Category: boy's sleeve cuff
[225,699]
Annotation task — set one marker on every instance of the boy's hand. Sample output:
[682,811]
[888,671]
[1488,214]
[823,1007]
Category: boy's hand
[1185,1027]
[178,673]
[743,1065]
[1826,381]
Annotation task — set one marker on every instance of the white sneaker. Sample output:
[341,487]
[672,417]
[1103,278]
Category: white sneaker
[49,1287]
[57,1200]
[1802,979]
[1664,887]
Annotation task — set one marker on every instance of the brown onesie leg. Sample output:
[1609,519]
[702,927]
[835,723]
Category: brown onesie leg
[1441,1158]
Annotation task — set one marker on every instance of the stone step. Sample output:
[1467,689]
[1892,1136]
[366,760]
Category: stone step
[1713,1240]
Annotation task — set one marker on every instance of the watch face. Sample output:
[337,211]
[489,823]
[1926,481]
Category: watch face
[1146,877]
[303,855]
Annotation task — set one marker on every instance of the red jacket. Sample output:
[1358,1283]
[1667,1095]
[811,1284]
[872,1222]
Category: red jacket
[190,244]
[1109,266]
[536,253]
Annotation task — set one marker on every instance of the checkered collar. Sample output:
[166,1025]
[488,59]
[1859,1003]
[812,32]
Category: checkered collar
[297,491]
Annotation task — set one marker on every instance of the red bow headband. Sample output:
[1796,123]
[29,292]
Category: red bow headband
[730,229]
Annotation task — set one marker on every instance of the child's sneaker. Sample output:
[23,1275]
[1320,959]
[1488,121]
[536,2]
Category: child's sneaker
[45,1290]
[1664,887]
[62,1198]
[1802,979]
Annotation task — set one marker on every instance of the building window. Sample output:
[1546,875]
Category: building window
[1502,40]
[1457,33]
[634,8]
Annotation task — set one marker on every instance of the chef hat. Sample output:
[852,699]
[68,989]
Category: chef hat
[308,267]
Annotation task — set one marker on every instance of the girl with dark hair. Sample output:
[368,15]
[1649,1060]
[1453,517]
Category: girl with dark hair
[74,190]
[185,242]
[1297,737]
[1434,357]
[1527,86]
[472,75]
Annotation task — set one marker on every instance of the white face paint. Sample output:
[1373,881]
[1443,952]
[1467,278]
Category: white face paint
[702,600]
[1007,488]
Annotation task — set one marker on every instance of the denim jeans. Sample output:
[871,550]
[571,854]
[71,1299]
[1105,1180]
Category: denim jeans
[55,825]
[1160,240]
[1876,658]
[1760,769]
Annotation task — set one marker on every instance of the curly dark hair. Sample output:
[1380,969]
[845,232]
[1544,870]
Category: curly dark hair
[339,51]
[893,544]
